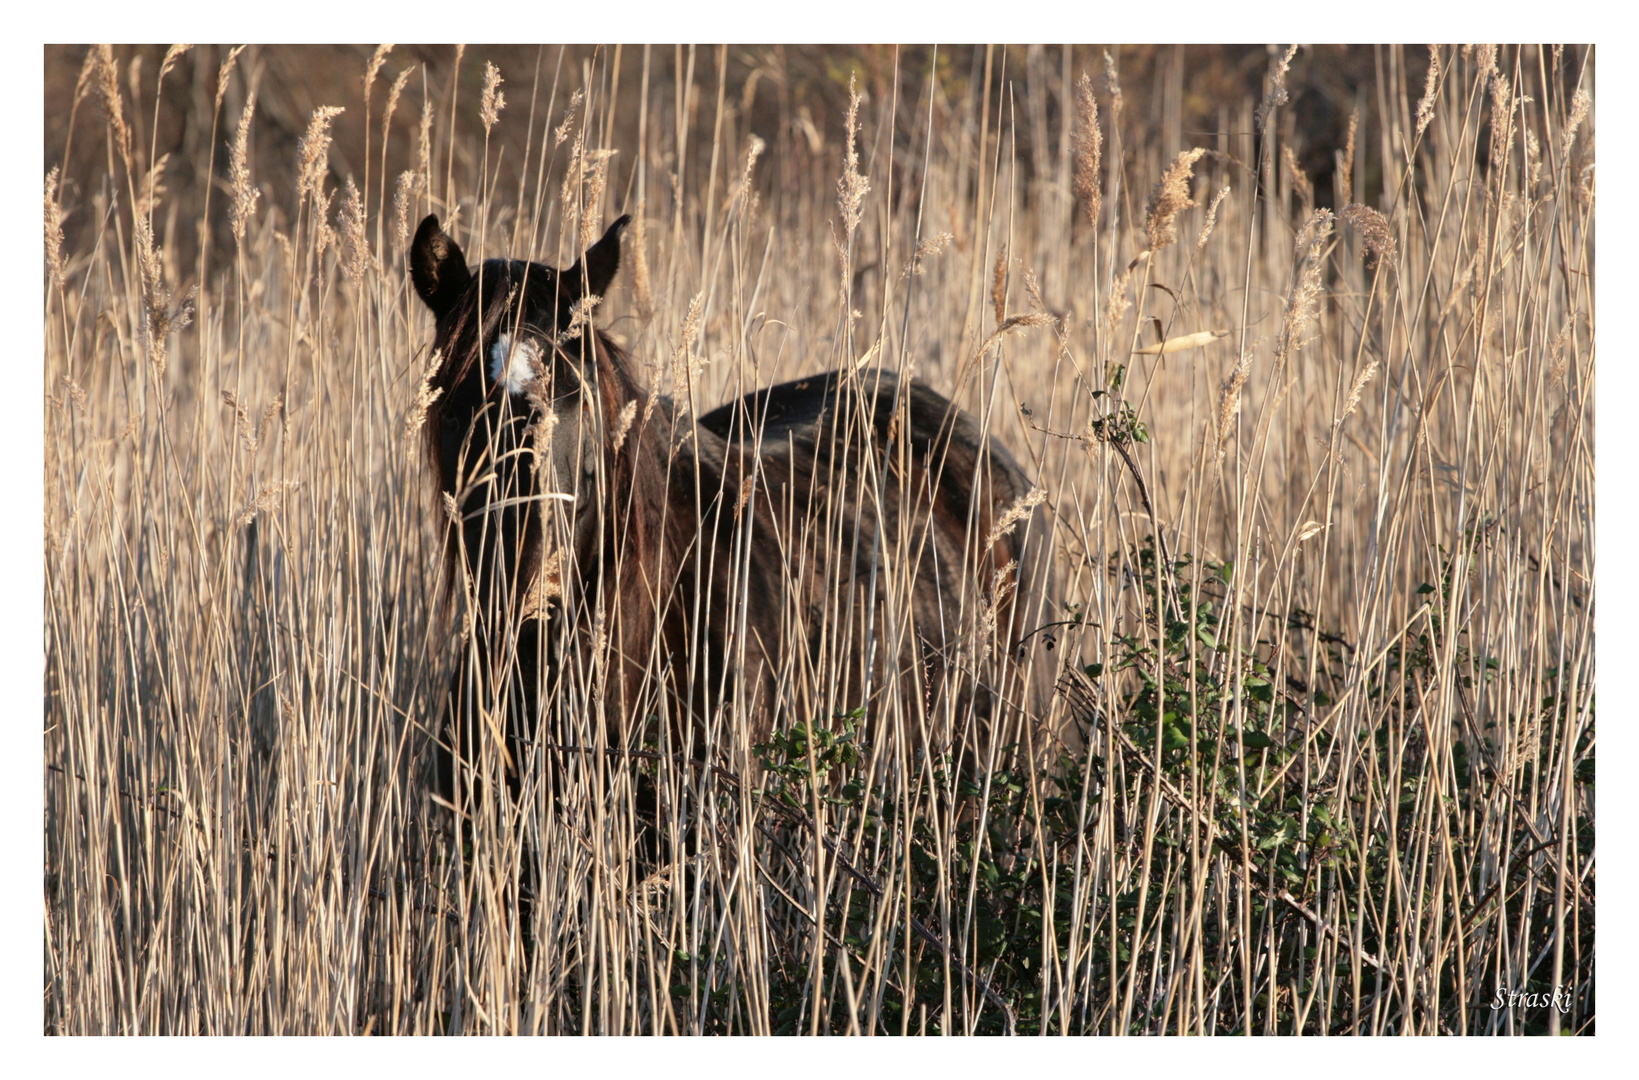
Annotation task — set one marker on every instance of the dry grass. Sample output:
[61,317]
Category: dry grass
[1326,580]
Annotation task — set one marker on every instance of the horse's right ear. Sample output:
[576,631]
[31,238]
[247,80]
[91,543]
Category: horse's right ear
[437,267]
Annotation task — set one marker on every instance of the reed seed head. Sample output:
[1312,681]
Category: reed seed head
[1580,103]
[1375,234]
[54,231]
[852,187]
[1345,167]
[1276,96]
[933,245]
[1356,388]
[108,82]
[372,69]
[313,153]
[224,71]
[1014,514]
[244,194]
[998,286]
[1112,85]
[1431,85]
[172,55]
[403,195]
[1211,221]
[1229,401]
[1087,148]
[392,102]
[1295,176]
[354,243]
[623,424]
[563,130]
[1306,286]
[1169,197]
[492,101]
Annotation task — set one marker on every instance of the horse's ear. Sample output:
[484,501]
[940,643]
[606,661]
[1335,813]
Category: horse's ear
[602,259]
[437,267]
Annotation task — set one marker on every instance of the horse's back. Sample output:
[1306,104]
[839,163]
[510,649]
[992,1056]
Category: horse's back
[937,473]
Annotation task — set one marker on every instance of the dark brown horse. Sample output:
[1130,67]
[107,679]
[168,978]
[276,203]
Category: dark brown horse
[798,551]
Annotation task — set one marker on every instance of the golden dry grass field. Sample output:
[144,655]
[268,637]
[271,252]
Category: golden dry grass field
[1297,345]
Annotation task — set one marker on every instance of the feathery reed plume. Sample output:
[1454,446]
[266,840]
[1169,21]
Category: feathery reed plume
[852,187]
[371,70]
[574,172]
[641,286]
[1374,232]
[592,219]
[1345,166]
[623,424]
[1276,96]
[172,55]
[154,183]
[1502,118]
[1087,145]
[392,102]
[426,393]
[1168,198]
[54,231]
[1306,286]
[998,286]
[424,149]
[267,500]
[683,367]
[1112,85]
[1533,159]
[108,82]
[1425,107]
[492,101]
[270,414]
[1484,58]
[244,194]
[1295,176]
[162,316]
[355,246]
[1014,514]
[933,245]
[563,130]
[247,433]
[1580,102]
[1229,401]
[224,71]
[1032,288]
[89,67]
[403,192]
[77,394]
[754,150]
[1117,303]
[1559,359]
[580,315]
[313,153]
[324,236]
[1211,221]
[1013,324]
[1355,390]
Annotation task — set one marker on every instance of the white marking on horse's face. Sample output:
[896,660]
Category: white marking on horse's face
[512,362]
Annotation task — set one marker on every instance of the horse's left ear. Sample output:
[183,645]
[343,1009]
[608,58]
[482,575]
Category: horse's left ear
[437,267]
[602,259]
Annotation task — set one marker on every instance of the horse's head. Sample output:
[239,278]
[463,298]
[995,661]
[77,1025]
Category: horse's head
[516,351]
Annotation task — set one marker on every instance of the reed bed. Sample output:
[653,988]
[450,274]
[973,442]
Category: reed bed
[1319,468]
